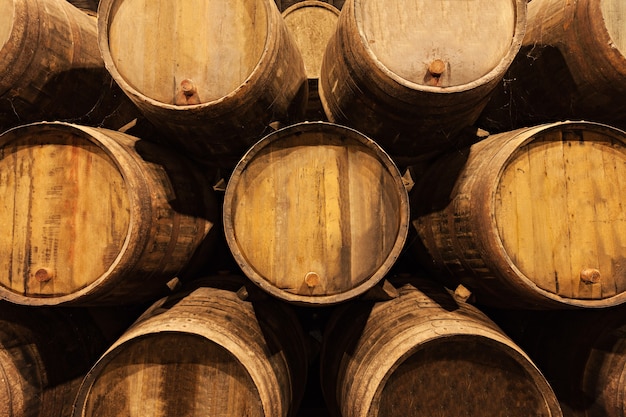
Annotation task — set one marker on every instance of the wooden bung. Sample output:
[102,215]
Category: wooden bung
[316,213]
[530,218]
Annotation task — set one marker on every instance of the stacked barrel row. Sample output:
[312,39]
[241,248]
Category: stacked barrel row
[276,198]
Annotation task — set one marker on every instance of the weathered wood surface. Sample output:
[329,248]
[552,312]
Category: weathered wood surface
[412,74]
[572,65]
[212,74]
[426,353]
[530,218]
[205,353]
[51,67]
[316,213]
[96,216]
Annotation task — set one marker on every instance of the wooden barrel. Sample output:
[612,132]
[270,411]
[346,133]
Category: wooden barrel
[44,355]
[412,75]
[581,353]
[312,23]
[52,69]
[212,74]
[427,354]
[530,218]
[572,65]
[207,353]
[94,216]
[316,213]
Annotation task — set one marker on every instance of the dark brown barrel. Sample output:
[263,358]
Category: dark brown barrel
[212,74]
[312,23]
[413,75]
[581,353]
[94,216]
[530,218]
[427,354]
[571,66]
[207,353]
[44,355]
[316,213]
[52,68]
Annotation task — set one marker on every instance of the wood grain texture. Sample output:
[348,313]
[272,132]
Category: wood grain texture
[84,209]
[377,77]
[204,352]
[315,213]
[427,354]
[535,218]
[52,68]
[239,57]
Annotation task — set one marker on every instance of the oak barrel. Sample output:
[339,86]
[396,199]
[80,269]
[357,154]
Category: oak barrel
[205,353]
[530,218]
[582,353]
[413,74]
[95,216]
[426,353]
[212,74]
[44,355]
[316,213]
[52,68]
[572,65]
[312,23]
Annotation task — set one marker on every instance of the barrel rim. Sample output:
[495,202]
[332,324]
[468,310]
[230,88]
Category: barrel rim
[368,283]
[134,238]
[492,76]
[271,42]
[523,137]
